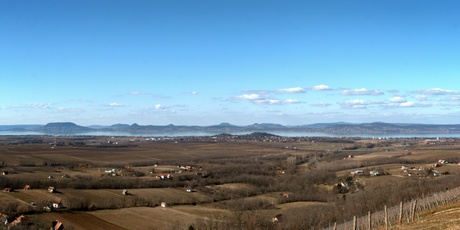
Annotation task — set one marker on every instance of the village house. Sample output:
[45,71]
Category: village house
[27,187]
[110,171]
[443,162]
[343,184]
[356,172]
[51,189]
[57,204]
[8,190]
[285,195]
[186,168]
[164,204]
[374,173]
[277,218]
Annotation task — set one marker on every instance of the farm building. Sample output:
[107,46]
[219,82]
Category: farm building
[51,189]
[27,187]
[374,173]
[57,204]
[164,204]
[277,218]
[356,172]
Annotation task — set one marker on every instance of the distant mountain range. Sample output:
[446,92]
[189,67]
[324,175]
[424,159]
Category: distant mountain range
[327,128]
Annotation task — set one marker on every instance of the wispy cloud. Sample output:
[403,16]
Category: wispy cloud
[454,98]
[115,104]
[354,104]
[362,91]
[321,104]
[277,102]
[422,97]
[409,104]
[292,90]
[31,106]
[69,110]
[358,104]
[39,106]
[138,93]
[436,91]
[263,99]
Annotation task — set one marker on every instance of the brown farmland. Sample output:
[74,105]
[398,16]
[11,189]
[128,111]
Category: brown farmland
[222,182]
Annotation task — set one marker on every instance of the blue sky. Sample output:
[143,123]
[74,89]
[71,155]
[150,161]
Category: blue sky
[243,62]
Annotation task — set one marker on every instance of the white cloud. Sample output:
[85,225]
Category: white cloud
[321,87]
[273,102]
[291,101]
[159,106]
[277,102]
[114,104]
[409,104]
[357,102]
[362,91]
[437,91]
[194,93]
[292,90]
[250,97]
[397,99]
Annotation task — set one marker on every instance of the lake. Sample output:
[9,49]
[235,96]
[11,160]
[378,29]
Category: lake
[285,134]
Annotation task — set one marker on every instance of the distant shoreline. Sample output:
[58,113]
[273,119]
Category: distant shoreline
[198,134]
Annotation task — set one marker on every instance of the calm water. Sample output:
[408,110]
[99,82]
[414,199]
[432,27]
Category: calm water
[285,134]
